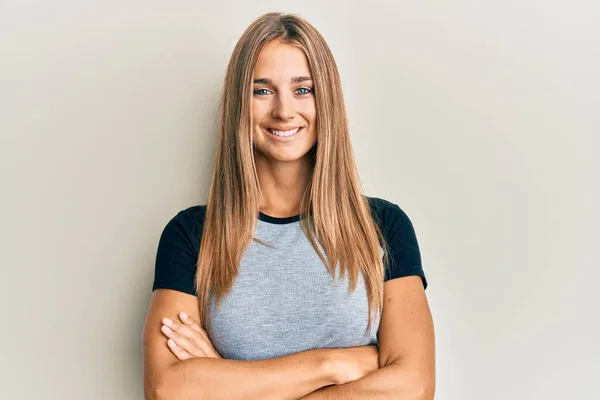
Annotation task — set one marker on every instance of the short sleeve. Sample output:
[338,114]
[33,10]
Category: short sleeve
[404,256]
[177,253]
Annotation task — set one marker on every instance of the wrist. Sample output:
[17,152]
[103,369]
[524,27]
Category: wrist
[330,365]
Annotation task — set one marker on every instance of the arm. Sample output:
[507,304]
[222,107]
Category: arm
[165,377]
[406,352]
[287,377]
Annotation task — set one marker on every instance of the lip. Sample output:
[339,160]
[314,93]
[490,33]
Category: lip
[284,139]
[284,128]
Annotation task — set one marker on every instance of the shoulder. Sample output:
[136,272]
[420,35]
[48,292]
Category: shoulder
[404,257]
[191,217]
[178,249]
[186,225]
[388,215]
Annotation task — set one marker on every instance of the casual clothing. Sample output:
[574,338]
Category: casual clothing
[284,300]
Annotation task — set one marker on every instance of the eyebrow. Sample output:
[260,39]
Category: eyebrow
[296,79]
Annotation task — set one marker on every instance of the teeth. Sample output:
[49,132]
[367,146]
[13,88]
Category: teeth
[284,133]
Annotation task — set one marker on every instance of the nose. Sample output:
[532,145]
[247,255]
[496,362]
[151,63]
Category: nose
[283,108]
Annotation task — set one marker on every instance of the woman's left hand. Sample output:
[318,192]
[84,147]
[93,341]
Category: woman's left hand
[186,339]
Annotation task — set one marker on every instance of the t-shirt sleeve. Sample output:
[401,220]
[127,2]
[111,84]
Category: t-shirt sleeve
[176,256]
[404,254]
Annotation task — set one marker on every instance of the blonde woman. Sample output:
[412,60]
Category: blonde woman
[289,283]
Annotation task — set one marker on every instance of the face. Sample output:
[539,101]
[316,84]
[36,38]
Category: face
[283,103]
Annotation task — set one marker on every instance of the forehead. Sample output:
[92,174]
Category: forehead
[281,61]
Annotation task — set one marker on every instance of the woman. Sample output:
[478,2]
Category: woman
[303,287]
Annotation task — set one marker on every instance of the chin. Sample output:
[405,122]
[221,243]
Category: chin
[283,156]
[287,157]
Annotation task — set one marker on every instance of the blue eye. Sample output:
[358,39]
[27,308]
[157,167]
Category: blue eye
[305,91]
[261,92]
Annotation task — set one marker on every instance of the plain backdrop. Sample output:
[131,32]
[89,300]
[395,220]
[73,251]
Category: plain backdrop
[479,118]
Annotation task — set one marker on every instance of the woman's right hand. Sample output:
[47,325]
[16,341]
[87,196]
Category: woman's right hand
[353,363]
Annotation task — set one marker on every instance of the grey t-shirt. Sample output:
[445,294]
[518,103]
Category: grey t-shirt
[283,300]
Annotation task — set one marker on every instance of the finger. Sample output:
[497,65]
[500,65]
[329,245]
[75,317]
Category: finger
[211,351]
[187,320]
[199,339]
[180,328]
[196,336]
[186,344]
[180,353]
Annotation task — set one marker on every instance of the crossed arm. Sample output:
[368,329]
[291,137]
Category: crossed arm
[406,359]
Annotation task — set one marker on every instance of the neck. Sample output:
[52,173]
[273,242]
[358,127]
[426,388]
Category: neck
[282,184]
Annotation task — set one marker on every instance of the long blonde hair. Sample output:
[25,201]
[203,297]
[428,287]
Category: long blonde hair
[340,217]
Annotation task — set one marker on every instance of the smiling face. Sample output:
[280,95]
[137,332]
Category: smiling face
[283,103]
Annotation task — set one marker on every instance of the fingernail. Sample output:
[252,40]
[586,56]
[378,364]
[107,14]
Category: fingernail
[183,315]
[167,321]
[166,329]
[171,342]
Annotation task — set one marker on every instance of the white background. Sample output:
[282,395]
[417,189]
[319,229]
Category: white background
[479,118]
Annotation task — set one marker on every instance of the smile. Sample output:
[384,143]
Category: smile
[284,134]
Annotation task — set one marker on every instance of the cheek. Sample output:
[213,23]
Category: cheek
[309,112]
[259,110]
